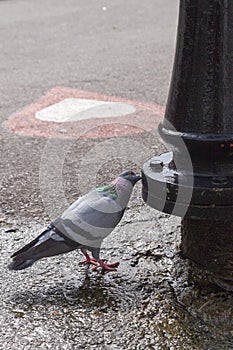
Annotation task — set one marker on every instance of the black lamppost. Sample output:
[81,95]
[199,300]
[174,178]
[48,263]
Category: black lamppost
[200,114]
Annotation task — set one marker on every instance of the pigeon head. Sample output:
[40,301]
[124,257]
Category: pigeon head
[130,176]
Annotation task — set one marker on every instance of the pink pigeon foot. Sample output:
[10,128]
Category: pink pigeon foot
[88,260]
[105,266]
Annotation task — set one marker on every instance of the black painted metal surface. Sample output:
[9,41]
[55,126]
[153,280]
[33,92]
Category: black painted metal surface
[198,124]
[199,113]
[200,98]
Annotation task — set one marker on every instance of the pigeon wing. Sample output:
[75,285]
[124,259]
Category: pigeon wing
[90,219]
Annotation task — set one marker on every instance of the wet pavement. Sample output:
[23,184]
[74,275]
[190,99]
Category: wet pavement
[150,302]
[155,299]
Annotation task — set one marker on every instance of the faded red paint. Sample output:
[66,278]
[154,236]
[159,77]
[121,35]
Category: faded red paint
[146,118]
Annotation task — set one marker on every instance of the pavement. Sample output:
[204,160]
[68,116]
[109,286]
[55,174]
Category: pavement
[118,56]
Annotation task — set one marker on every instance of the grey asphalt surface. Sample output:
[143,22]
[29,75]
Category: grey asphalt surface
[119,48]
[125,51]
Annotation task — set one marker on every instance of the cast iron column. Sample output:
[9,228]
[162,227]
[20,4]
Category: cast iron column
[199,115]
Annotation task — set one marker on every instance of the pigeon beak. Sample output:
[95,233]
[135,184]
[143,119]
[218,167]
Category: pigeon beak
[137,178]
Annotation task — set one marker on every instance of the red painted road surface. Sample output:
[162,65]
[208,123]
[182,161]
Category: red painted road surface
[145,118]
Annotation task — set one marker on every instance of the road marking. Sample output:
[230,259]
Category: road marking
[70,113]
[75,109]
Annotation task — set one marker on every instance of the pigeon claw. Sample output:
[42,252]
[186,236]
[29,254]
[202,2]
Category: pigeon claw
[105,266]
[88,260]
[91,261]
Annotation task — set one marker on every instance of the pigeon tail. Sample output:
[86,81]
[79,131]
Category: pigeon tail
[21,265]
[49,243]
[83,225]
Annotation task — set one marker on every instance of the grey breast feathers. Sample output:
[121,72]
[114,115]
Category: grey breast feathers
[90,219]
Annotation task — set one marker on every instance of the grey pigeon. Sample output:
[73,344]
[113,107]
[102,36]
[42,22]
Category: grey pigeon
[83,225]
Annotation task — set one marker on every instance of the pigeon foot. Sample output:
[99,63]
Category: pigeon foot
[88,260]
[105,266]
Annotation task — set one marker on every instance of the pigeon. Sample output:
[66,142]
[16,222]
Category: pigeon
[82,226]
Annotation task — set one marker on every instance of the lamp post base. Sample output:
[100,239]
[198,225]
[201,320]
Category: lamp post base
[209,243]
